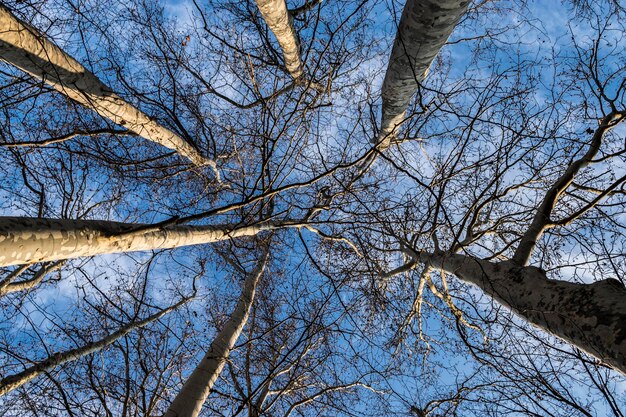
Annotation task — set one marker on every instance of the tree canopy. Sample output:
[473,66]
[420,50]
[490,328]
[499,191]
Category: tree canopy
[312,208]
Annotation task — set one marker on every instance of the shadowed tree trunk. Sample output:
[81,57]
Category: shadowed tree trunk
[279,21]
[29,240]
[424,28]
[590,316]
[25,48]
[12,382]
[192,396]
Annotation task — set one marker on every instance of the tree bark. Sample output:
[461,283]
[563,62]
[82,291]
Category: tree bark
[280,22]
[196,389]
[12,382]
[592,317]
[24,47]
[28,240]
[424,28]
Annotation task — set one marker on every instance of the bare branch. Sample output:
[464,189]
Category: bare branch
[12,382]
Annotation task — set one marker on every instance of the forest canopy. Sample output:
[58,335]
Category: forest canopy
[312,208]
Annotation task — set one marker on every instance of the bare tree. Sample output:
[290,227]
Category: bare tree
[481,256]
[12,382]
[42,240]
[423,29]
[279,20]
[23,46]
[193,394]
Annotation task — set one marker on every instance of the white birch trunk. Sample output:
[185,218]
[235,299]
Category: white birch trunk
[25,48]
[279,21]
[592,317]
[30,240]
[196,389]
[424,28]
[12,382]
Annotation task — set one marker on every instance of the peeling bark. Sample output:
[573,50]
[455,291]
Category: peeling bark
[29,240]
[279,21]
[25,48]
[196,389]
[592,317]
[424,28]
[12,382]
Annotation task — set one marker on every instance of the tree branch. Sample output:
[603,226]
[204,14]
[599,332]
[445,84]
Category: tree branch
[542,218]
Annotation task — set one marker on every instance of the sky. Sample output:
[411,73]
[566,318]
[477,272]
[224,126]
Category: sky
[427,376]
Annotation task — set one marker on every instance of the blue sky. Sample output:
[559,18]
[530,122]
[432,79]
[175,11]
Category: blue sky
[423,377]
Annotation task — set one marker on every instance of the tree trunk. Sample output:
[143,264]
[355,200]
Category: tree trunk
[196,389]
[279,21]
[30,240]
[592,317]
[24,47]
[12,382]
[424,28]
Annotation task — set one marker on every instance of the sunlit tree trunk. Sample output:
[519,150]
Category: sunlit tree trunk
[12,382]
[590,316]
[24,47]
[279,21]
[424,28]
[29,240]
[192,396]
